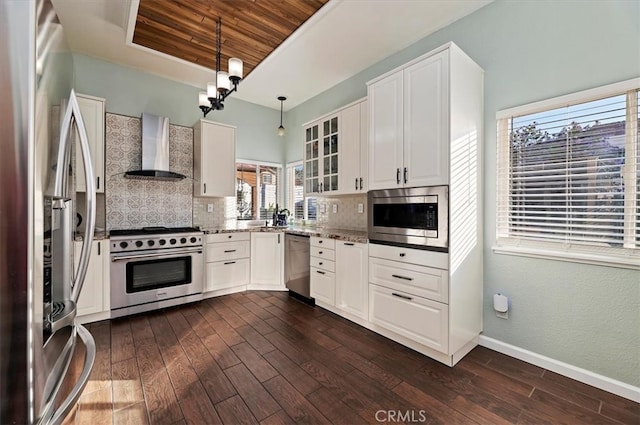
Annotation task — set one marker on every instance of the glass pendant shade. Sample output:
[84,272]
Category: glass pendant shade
[235,67]
[281,131]
[202,99]
[211,90]
[223,81]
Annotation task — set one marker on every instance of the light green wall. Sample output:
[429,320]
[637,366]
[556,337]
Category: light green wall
[587,316]
[131,92]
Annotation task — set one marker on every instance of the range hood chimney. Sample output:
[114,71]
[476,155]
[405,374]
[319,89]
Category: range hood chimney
[155,151]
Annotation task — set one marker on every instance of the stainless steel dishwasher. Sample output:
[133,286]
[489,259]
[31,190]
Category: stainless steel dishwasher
[296,267]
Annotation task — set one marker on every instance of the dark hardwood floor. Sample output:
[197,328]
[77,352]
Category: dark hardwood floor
[261,357]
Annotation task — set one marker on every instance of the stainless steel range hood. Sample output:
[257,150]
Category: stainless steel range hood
[155,151]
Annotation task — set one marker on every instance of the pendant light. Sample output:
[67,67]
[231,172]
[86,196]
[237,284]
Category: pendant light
[281,128]
[218,91]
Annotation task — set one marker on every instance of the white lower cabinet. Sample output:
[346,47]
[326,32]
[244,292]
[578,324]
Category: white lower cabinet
[94,300]
[267,261]
[416,318]
[227,267]
[352,278]
[322,277]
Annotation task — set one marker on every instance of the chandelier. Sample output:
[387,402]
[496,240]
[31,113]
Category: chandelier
[217,92]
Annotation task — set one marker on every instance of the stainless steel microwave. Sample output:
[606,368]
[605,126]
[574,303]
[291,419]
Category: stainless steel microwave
[416,216]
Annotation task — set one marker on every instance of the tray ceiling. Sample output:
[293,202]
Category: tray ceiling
[251,29]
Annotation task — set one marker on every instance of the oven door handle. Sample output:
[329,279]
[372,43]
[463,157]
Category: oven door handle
[159,254]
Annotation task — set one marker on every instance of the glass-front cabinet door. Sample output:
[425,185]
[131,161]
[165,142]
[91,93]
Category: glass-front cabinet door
[330,138]
[311,158]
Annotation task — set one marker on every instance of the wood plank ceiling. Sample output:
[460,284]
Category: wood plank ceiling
[251,29]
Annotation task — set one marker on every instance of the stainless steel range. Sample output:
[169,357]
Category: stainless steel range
[155,267]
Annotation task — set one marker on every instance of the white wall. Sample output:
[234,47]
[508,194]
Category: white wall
[587,316]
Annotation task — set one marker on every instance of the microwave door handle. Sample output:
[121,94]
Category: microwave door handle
[90,213]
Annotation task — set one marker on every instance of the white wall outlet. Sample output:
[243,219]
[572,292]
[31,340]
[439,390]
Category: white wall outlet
[209,207]
[360,207]
[335,208]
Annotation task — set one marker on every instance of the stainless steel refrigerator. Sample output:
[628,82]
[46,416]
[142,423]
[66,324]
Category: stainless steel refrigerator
[40,128]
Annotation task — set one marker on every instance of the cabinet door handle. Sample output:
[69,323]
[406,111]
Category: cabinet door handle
[397,175]
[205,188]
[320,263]
[98,248]
[319,241]
[356,183]
[320,252]
[397,276]
[98,183]
[404,297]
[405,174]
[360,183]
[320,271]
[229,250]
[230,236]
[349,243]
[278,237]
[229,262]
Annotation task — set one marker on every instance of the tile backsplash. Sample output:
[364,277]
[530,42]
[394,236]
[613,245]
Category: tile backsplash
[132,203]
[347,216]
[223,214]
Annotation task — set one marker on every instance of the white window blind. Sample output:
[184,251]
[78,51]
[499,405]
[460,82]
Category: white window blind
[568,177]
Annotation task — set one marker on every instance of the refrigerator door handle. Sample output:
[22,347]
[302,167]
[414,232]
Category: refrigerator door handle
[74,395]
[90,184]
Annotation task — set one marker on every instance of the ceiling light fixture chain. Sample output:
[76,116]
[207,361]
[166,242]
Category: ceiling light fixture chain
[281,128]
[217,92]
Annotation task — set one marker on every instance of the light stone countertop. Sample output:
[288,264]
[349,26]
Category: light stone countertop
[338,234]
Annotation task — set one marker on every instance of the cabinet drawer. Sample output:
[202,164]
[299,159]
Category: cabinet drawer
[323,252]
[226,237]
[407,255]
[421,320]
[323,242]
[422,281]
[322,264]
[227,274]
[323,286]
[228,250]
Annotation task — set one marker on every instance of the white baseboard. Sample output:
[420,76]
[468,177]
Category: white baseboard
[585,376]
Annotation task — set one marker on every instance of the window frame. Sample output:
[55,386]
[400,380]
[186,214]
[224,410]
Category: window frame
[290,198]
[506,243]
[279,183]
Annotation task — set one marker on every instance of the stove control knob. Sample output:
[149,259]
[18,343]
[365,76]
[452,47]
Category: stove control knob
[172,241]
[123,245]
[183,240]
[162,242]
[193,239]
[138,244]
[151,243]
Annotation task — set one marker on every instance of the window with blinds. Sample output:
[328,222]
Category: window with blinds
[257,190]
[300,206]
[568,181]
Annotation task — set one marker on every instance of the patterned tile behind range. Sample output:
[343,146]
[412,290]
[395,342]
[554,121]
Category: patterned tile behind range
[138,203]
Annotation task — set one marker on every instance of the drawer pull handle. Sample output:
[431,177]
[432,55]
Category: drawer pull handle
[402,277]
[320,263]
[319,241]
[320,271]
[404,297]
[229,250]
[320,252]
[402,254]
[230,236]
[229,262]
[348,244]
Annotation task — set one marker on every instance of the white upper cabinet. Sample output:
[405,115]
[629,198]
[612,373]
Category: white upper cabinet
[92,110]
[214,159]
[409,126]
[353,156]
[333,151]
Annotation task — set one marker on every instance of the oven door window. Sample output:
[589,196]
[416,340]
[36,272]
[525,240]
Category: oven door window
[419,216]
[155,274]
